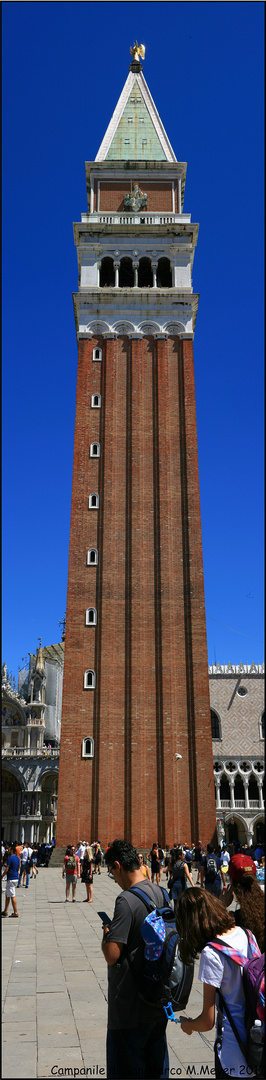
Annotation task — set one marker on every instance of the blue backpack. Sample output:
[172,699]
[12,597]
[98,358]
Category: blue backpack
[164,980]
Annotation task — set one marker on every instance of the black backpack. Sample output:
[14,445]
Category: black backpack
[211,868]
[178,873]
[167,981]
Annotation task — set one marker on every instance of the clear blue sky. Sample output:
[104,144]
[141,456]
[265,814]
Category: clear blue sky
[64,66]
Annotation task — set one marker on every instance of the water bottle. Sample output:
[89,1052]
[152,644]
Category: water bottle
[256,1032]
[256,1045]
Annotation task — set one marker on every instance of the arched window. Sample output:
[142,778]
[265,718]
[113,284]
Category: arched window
[91,616]
[262,726]
[87,749]
[96,401]
[92,557]
[145,275]
[89,680]
[12,795]
[239,791]
[216,725]
[253,790]
[97,354]
[126,274]
[107,273]
[164,274]
[94,501]
[95,449]
[225,790]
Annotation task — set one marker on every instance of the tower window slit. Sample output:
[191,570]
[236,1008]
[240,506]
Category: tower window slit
[93,501]
[95,450]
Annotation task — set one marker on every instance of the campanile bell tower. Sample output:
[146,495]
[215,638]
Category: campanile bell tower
[136,750]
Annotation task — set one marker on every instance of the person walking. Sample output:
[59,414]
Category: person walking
[166,861]
[225,863]
[97,858]
[80,851]
[179,875]
[11,870]
[197,860]
[200,918]
[188,856]
[245,889]
[25,866]
[71,869]
[33,862]
[86,874]
[210,871]
[155,863]
[161,860]
[136,1039]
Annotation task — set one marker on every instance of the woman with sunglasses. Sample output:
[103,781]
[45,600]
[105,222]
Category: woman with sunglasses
[144,868]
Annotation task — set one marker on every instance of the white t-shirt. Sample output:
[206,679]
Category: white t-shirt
[216,969]
[81,851]
[26,854]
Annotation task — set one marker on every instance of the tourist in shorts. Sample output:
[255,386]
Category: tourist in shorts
[71,868]
[12,871]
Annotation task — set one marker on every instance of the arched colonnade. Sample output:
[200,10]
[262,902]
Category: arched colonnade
[129,273]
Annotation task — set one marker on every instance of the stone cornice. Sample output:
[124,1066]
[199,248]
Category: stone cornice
[111,170]
[163,308]
[99,229]
[111,297]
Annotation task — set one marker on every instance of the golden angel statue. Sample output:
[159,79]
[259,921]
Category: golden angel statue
[137,51]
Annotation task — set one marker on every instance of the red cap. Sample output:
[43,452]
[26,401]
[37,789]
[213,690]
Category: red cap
[239,865]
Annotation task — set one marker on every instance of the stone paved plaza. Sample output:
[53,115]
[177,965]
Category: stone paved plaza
[54,987]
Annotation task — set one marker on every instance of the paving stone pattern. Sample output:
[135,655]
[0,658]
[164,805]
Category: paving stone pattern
[54,987]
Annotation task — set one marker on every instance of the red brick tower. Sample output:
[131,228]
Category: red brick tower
[136,693]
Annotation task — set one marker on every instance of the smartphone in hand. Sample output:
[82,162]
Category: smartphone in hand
[105,918]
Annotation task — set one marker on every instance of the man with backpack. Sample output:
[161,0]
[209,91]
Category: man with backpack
[210,871]
[179,875]
[136,1032]
[188,857]
[71,868]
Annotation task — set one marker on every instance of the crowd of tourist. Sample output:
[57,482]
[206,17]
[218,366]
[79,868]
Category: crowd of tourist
[83,861]
[136,1035]
[20,864]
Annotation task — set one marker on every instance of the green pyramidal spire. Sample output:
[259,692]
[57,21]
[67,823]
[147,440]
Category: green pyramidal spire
[135,131]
